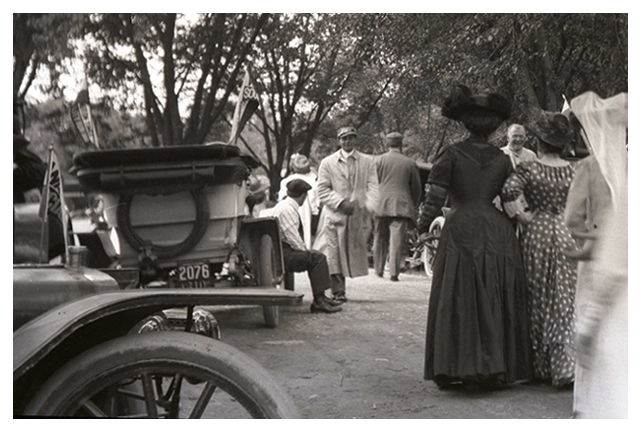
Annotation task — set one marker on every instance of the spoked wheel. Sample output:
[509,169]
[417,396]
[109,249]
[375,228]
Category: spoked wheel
[266,278]
[431,246]
[162,375]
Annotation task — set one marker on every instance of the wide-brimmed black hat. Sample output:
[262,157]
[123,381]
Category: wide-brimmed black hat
[462,100]
[553,129]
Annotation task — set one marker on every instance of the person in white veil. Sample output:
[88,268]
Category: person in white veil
[601,386]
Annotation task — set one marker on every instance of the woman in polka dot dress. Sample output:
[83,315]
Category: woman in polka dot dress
[536,194]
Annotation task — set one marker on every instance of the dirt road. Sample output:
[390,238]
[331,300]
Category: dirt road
[367,361]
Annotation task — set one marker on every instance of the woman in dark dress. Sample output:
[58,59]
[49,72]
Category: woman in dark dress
[477,330]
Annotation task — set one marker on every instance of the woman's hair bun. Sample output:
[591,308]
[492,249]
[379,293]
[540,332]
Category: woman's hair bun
[458,99]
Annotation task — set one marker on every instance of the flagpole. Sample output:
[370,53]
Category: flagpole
[44,209]
[234,131]
[91,121]
[63,219]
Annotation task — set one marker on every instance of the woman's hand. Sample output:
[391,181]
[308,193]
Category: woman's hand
[525,218]
[584,235]
[583,254]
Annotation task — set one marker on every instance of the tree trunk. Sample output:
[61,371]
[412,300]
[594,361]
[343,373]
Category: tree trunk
[152,114]
[23,51]
[172,126]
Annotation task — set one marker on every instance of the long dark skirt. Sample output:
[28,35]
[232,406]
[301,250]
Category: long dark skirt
[478,323]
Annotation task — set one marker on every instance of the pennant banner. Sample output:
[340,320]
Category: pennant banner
[52,188]
[52,202]
[81,116]
[247,104]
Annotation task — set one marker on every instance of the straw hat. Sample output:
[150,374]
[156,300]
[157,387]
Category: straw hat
[299,164]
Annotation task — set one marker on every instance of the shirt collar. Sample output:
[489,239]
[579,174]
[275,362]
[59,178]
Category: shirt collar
[344,156]
[516,152]
[292,203]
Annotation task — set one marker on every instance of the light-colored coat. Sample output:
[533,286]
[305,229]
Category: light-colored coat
[345,238]
[589,198]
[525,155]
[588,205]
[400,185]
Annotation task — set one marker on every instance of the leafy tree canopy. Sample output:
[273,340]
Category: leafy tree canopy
[179,75]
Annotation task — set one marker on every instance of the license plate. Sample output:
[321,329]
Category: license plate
[192,275]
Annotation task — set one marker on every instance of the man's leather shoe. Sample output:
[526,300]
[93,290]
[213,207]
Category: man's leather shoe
[340,297]
[324,306]
[395,279]
[332,301]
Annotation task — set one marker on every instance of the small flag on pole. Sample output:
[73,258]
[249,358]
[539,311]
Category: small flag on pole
[52,187]
[81,116]
[247,104]
[52,202]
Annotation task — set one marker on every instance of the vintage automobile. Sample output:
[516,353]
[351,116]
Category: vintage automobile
[179,214]
[430,245]
[84,346]
[134,338]
[422,252]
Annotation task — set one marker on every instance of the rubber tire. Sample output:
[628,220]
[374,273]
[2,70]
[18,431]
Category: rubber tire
[201,222]
[265,277]
[427,256]
[231,369]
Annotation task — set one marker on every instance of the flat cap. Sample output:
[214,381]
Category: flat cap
[394,138]
[346,131]
[298,187]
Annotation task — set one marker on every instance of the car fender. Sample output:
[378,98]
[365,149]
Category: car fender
[250,232]
[80,324]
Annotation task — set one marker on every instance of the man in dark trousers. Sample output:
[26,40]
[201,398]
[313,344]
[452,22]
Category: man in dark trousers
[400,194]
[296,257]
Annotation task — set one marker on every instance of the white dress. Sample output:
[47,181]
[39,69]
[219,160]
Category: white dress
[602,387]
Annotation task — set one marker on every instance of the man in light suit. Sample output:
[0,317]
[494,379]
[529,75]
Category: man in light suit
[400,194]
[347,187]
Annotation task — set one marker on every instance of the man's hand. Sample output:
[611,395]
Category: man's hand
[425,236]
[346,207]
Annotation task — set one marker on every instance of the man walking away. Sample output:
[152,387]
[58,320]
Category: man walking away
[400,194]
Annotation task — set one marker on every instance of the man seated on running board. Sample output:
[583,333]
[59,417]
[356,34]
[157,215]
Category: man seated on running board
[296,257]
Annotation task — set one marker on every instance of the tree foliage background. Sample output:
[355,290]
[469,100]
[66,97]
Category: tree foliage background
[173,79]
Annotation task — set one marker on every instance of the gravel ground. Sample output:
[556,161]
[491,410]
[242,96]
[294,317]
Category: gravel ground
[367,361]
